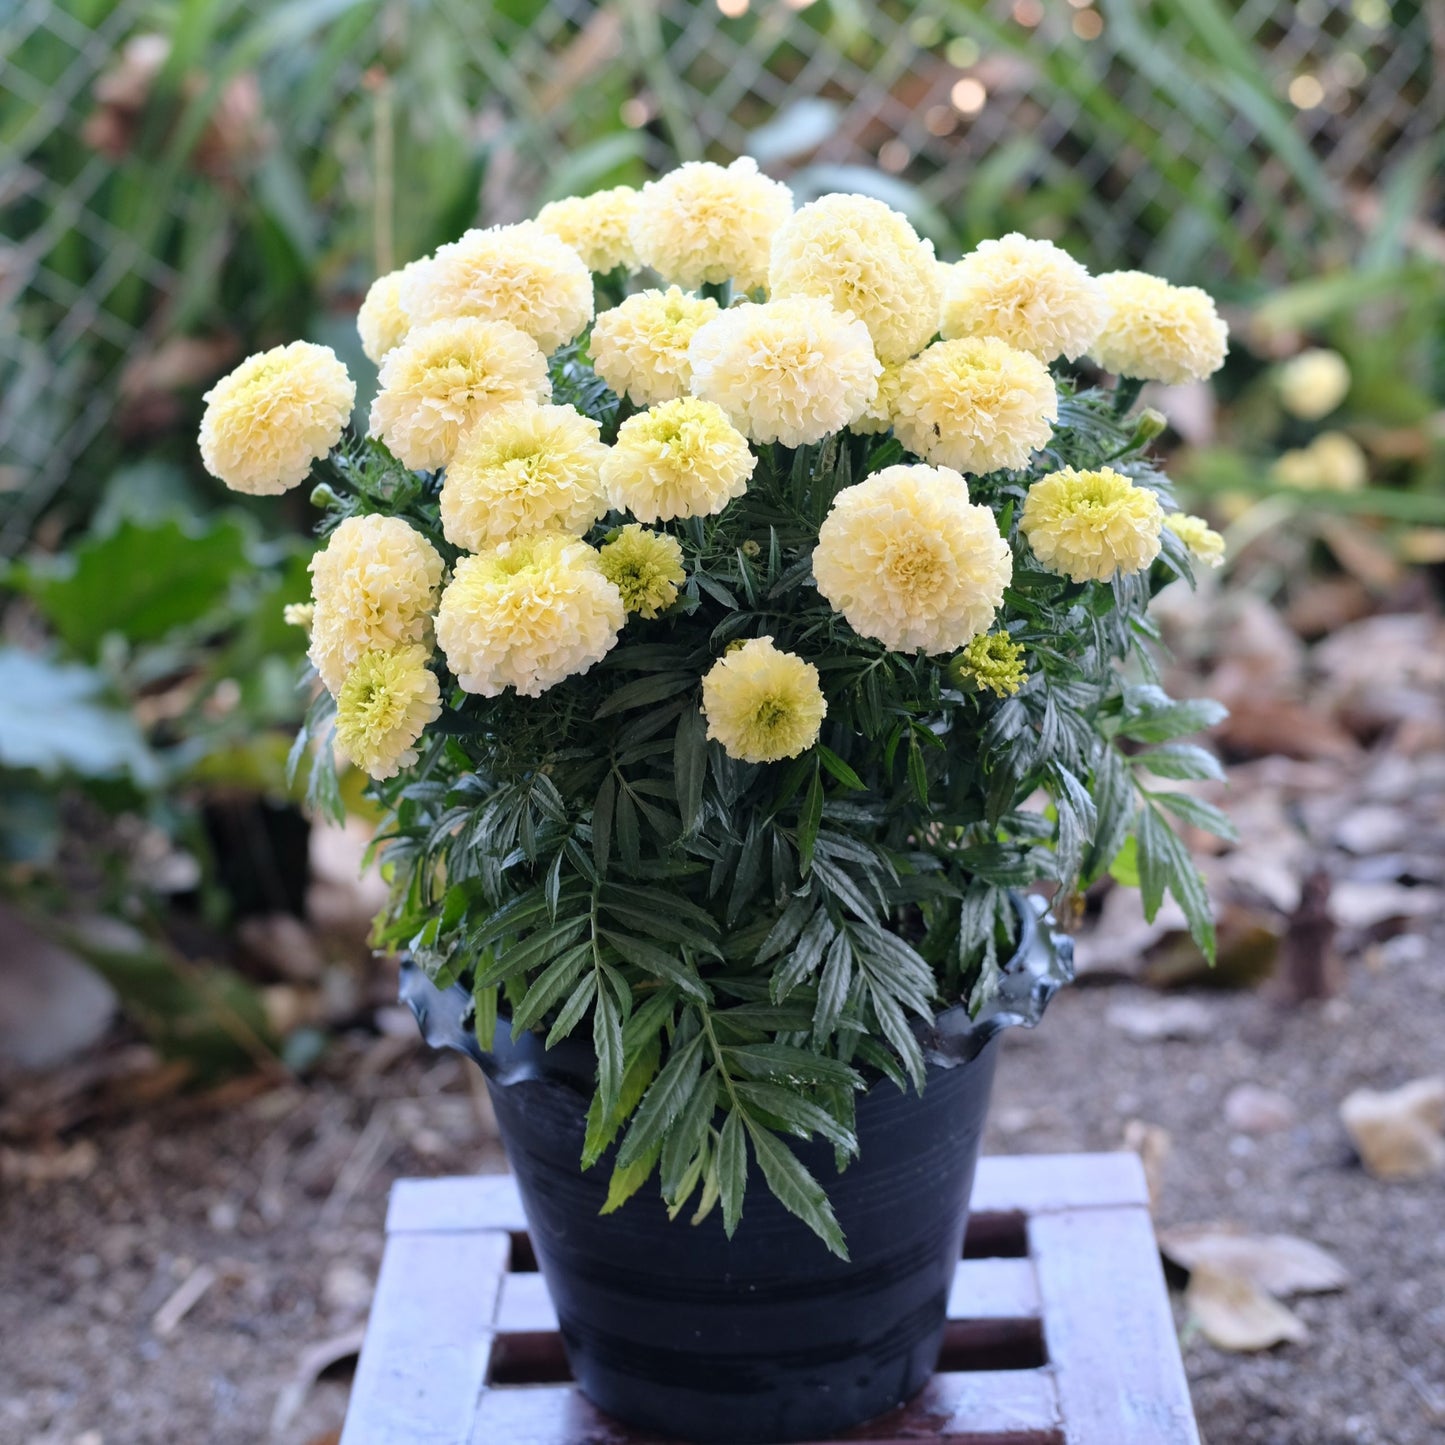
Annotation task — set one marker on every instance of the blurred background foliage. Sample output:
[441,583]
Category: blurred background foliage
[185,181]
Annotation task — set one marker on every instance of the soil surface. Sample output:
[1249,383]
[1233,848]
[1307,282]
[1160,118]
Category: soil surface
[274,1203]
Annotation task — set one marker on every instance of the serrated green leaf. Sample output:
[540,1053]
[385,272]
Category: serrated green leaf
[642,1061]
[602,809]
[1199,813]
[796,1189]
[809,819]
[662,1103]
[607,1042]
[732,1170]
[690,765]
[571,1012]
[799,1115]
[1182,761]
[839,769]
[657,962]
[833,987]
[627,1179]
[685,1138]
[556,980]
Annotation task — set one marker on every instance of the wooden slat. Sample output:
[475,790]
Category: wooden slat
[467,1202]
[525,1306]
[1109,1330]
[428,1342]
[1047,1183]
[993,1289]
[1006,1184]
[1009,1407]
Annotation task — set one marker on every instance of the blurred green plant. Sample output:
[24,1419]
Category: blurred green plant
[159,703]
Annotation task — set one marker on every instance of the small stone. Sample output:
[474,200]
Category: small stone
[1400,1134]
[1169,1018]
[223,1216]
[1253,1110]
[346,1289]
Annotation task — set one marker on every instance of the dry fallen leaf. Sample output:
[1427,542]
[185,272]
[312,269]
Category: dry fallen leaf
[1152,1143]
[1282,1264]
[1235,1314]
[1400,1134]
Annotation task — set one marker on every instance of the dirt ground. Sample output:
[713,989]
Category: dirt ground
[278,1201]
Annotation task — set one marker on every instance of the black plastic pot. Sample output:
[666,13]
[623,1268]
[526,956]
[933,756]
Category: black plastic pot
[766,1337]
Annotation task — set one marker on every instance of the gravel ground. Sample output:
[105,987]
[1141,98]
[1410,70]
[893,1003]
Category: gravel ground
[279,1200]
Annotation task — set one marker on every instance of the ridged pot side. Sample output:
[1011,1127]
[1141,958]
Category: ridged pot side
[767,1336]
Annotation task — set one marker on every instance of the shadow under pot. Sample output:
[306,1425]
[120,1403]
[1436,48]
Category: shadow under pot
[766,1337]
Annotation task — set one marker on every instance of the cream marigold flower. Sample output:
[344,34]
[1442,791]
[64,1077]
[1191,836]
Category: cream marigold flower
[526,614]
[645,567]
[275,414]
[703,223]
[994,662]
[521,274]
[878,417]
[385,703]
[374,585]
[382,322]
[523,468]
[683,458]
[763,704]
[1028,293]
[1159,332]
[1332,462]
[1202,540]
[975,404]
[444,376]
[1314,383]
[789,371]
[640,347]
[866,258]
[595,226]
[910,561]
[298,614]
[1090,525]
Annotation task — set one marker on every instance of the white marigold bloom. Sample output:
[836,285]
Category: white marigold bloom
[596,227]
[382,322]
[704,223]
[640,347]
[275,414]
[683,458]
[1159,332]
[1314,383]
[521,274]
[866,258]
[974,404]
[790,371]
[763,704]
[444,377]
[374,584]
[1091,526]
[1028,293]
[384,706]
[527,614]
[524,468]
[910,561]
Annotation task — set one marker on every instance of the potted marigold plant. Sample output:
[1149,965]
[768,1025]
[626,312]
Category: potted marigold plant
[730,661]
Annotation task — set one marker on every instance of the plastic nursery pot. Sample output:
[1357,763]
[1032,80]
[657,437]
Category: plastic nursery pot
[766,1337]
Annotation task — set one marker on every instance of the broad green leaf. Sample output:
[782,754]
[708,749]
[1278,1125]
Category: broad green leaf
[142,581]
[54,719]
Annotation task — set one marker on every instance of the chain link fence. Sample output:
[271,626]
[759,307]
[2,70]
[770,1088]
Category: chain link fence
[156,178]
